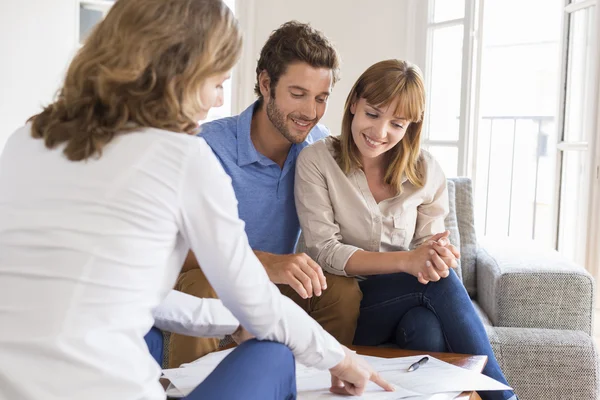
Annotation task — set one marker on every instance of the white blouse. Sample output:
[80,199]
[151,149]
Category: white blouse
[89,249]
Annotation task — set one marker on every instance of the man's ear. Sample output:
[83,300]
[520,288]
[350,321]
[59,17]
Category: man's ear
[264,84]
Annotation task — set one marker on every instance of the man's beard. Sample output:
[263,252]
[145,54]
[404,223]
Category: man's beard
[279,122]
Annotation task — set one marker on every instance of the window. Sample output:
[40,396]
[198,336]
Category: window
[90,13]
[495,86]
[516,136]
[444,76]
[576,131]
[226,109]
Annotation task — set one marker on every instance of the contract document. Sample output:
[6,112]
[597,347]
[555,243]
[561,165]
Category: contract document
[435,380]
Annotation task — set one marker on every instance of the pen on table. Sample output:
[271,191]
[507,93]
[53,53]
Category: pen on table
[416,365]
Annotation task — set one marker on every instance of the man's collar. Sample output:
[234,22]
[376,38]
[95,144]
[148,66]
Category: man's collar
[247,153]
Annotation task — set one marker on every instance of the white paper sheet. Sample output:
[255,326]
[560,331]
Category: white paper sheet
[313,384]
[436,380]
[188,376]
[433,377]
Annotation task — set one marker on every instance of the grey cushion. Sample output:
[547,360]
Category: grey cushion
[547,364]
[482,315]
[522,285]
[452,223]
[166,340]
[466,227]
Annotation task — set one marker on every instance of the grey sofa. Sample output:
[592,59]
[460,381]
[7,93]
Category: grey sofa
[536,306]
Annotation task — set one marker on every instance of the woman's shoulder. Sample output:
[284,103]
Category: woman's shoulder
[173,141]
[321,151]
[430,168]
[171,150]
[426,158]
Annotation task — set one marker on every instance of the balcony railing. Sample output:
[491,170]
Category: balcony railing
[515,176]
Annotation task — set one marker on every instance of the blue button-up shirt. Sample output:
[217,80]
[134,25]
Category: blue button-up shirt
[265,192]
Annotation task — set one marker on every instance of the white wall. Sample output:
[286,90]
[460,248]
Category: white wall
[37,41]
[363,32]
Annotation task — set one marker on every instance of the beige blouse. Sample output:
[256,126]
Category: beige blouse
[339,215]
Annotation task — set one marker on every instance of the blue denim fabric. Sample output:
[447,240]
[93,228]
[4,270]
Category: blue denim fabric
[409,332]
[154,340]
[253,371]
[391,301]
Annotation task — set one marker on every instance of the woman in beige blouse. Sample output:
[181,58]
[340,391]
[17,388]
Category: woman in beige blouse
[372,205]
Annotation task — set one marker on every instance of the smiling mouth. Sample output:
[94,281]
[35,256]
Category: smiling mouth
[301,124]
[372,142]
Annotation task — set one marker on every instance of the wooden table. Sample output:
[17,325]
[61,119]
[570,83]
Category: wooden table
[475,363]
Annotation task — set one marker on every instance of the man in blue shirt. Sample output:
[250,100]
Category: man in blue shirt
[296,72]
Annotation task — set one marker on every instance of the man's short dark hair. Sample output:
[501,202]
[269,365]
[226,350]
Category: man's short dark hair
[292,42]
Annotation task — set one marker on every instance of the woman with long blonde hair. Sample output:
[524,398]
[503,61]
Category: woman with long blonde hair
[103,193]
[372,206]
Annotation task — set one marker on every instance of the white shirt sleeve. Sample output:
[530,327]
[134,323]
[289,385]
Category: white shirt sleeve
[210,224]
[192,316]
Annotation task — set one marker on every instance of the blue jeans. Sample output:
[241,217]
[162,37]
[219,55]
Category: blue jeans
[253,371]
[438,316]
[154,341]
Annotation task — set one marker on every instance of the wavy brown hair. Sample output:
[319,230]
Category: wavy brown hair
[295,42]
[142,66]
[380,85]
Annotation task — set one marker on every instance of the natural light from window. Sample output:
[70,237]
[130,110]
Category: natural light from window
[517,133]
[226,109]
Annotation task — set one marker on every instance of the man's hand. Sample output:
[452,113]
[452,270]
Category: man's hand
[297,270]
[241,335]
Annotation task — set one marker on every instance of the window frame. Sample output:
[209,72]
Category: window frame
[470,114]
[471,22]
[589,254]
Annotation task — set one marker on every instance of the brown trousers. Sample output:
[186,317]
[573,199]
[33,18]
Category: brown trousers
[336,310]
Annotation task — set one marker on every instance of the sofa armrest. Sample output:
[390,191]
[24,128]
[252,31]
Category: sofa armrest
[522,285]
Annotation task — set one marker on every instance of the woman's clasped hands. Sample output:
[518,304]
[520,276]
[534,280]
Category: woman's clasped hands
[432,260]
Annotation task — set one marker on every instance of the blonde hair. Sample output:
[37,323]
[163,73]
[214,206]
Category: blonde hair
[142,66]
[380,85]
